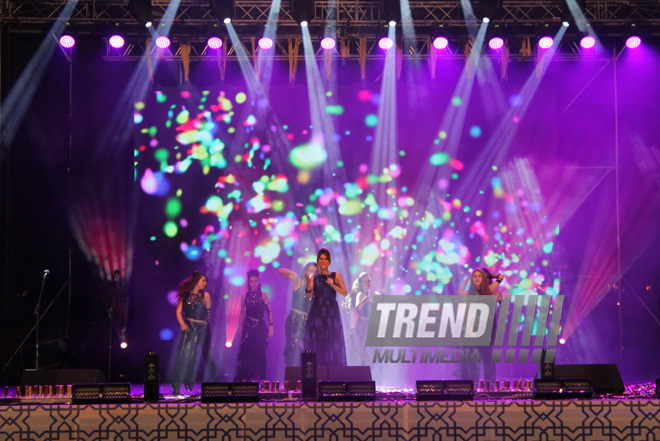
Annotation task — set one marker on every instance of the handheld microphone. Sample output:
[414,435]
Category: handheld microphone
[115,276]
[46,272]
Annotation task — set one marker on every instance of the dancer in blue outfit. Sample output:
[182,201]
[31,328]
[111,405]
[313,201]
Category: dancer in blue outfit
[296,321]
[324,334]
[195,303]
[252,328]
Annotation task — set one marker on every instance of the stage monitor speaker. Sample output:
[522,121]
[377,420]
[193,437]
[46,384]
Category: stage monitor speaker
[349,373]
[605,378]
[292,374]
[100,393]
[239,392]
[562,388]
[63,377]
[347,390]
[445,390]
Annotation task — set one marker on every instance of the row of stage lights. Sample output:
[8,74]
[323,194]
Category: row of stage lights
[328,43]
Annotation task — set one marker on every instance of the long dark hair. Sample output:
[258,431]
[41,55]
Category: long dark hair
[483,289]
[355,289]
[188,284]
[253,273]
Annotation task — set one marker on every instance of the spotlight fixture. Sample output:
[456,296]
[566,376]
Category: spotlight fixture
[265,43]
[633,42]
[116,41]
[302,11]
[391,11]
[123,345]
[67,41]
[496,43]
[214,42]
[385,43]
[546,42]
[569,8]
[587,42]
[163,42]
[224,10]
[440,42]
[489,9]
[141,12]
[328,43]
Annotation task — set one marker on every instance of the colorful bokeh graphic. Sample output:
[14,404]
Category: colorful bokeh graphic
[234,184]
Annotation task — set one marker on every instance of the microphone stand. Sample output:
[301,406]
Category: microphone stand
[39,318]
[110,314]
[37,311]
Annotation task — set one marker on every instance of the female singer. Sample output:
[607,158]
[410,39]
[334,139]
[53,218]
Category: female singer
[323,333]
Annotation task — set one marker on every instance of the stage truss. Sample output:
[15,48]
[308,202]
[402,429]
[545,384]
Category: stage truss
[613,20]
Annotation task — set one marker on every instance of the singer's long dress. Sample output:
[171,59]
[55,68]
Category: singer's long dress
[252,361]
[324,334]
[196,317]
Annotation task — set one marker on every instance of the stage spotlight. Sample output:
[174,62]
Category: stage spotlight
[496,43]
[587,42]
[67,41]
[633,42]
[328,43]
[391,11]
[123,345]
[562,341]
[228,344]
[565,24]
[385,43]
[163,42]
[567,9]
[265,43]
[489,8]
[214,42]
[223,9]
[440,43]
[116,41]
[302,11]
[392,23]
[141,12]
[546,42]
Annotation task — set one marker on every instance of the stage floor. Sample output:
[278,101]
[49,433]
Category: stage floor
[393,416]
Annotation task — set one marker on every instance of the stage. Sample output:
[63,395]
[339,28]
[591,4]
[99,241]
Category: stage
[391,416]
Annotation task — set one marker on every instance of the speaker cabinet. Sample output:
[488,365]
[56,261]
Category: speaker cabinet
[605,378]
